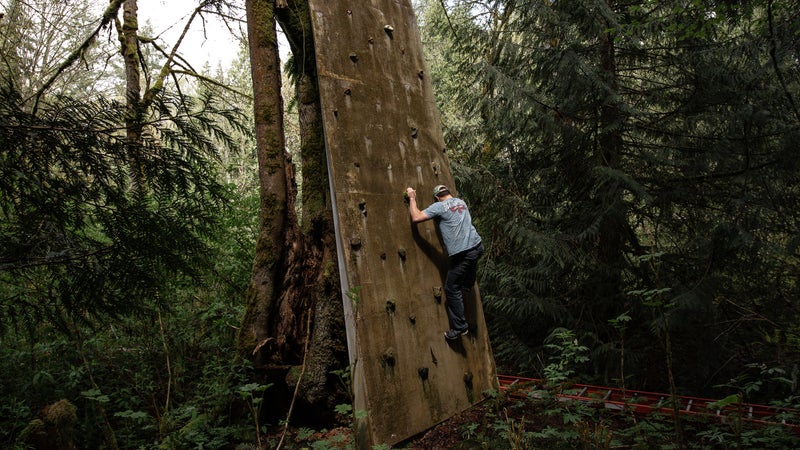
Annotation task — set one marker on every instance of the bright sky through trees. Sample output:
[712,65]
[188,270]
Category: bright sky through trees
[208,40]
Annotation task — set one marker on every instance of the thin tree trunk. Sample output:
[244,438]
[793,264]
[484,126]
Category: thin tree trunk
[265,286]
[133,94]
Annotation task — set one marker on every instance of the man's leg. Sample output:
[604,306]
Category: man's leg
[471,271]
[452,289]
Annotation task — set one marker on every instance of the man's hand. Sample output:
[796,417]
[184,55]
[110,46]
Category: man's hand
[413,209]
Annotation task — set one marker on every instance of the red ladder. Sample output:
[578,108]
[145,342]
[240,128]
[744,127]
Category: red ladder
[643,402]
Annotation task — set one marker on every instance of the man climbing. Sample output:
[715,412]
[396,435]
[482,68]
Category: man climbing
[463,245]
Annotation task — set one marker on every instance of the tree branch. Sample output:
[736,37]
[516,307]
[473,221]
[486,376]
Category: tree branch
[108,15]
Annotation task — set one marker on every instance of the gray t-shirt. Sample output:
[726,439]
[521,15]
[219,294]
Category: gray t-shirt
[455,224]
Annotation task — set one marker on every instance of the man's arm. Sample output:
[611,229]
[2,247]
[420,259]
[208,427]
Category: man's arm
[413,210]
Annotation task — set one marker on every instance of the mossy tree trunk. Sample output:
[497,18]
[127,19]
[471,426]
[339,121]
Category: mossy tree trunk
[294,314]
[133,95]
[268,266]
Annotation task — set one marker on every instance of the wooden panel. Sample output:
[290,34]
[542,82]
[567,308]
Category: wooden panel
[383,133]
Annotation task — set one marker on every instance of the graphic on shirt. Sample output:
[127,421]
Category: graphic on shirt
[458,208]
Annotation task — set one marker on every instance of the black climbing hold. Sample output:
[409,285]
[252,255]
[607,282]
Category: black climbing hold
[371,40]
[402,254]
[468,379]
[421,74]
[414,133]
[391,306]
[355,243]
[362,206]
[383,256]
[353,57]
[423,373]
[412,319]
[388,357]
[347,91]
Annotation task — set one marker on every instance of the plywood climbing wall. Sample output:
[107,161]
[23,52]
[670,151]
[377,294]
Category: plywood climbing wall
[383,133]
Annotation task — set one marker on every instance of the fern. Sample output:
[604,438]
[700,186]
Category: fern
[76,241]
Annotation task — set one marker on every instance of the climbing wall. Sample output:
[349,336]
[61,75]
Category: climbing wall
[383,133]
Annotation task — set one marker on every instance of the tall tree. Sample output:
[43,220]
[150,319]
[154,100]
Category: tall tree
[77,241]
[294,313]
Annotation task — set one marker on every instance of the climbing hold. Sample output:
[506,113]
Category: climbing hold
[436,168]
[414,133]
[371,40]
[347,91]
[423,373]
[362,206]
[355,243]
[389,29]
[353,57]
[335,113]
[421,74]
[412,319]
[388,357]
[383,256]
[349,12]
[391,306]
[437,293]
[468,379]
[402,253]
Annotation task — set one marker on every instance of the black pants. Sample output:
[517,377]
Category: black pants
[460,277]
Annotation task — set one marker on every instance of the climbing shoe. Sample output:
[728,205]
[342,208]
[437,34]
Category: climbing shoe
[455,334]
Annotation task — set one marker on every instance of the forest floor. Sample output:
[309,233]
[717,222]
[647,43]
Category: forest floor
[449,434]
[508,423]
[446,435]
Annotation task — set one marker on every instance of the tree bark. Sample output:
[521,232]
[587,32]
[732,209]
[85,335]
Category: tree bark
[296,271]
[133,92]
[328,349]
[256,335]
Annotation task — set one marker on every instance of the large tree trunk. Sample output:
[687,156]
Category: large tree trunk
[328,348]
[294,312]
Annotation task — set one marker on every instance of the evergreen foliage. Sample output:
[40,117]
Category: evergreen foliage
[630,158]
[76,239]
[126,302]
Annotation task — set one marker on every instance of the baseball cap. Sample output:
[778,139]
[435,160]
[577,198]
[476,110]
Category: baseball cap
[439,190]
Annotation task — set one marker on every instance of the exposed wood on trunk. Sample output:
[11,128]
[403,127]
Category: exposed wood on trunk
[295,273]
[328,349]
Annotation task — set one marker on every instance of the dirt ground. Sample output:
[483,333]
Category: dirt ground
[446,435]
